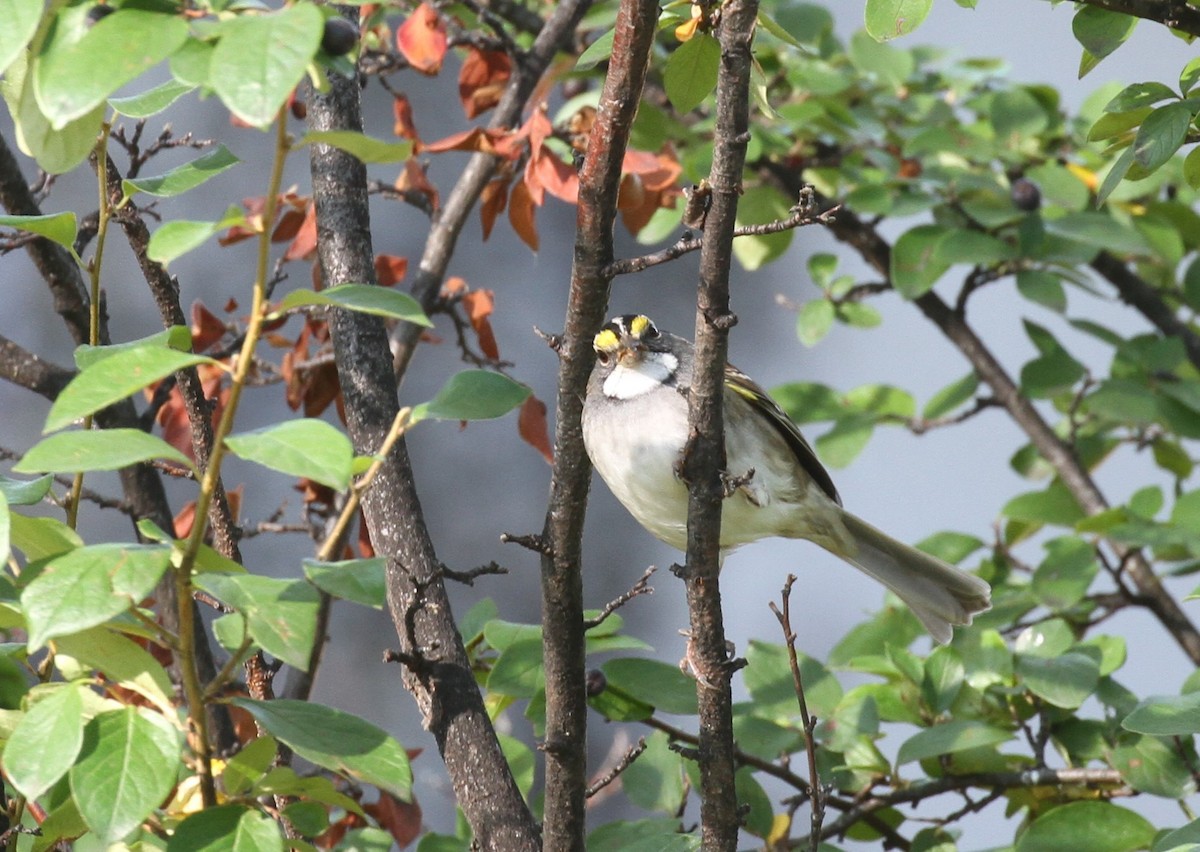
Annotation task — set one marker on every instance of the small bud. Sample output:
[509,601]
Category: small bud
[1026,195]
[98,12]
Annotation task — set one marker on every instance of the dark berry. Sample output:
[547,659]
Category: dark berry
[595,683]
[1026,195]
[96,13]
[339,37]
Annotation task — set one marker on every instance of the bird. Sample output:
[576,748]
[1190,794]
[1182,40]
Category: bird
[635,428]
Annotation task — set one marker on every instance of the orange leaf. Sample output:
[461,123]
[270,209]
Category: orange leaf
[414,178]
[475,139]
[521,215]
[365,548]
[479,305]
[390,268]
[184,519]
[289,225]
[531,426]
[305,241]
[481,80]
[402,819]
[492,203]
[558,178]
[402,115]
[207,327]
[422,40]
[454,285]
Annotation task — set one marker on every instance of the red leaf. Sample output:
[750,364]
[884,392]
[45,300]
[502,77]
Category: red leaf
[475,139]
[422,40]
[558,178]
[403,125]
[390,268]
[305,242]
[207,327]
[492,203]
[402,819]
[481,80]
[479,305]
[521,215]
[531,426]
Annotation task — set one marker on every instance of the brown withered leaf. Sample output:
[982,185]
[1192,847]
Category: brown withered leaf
[549,172]
[414,178]
[479,305]
[492,203]
[481,80]
[401,819]
[304,244]
[207,327]
[422,40]
[531,426]
[390,269]
[402,116]
[521,211]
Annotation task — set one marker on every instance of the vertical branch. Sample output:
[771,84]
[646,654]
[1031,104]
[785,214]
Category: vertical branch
[562,588]
[436,669]
[704,458]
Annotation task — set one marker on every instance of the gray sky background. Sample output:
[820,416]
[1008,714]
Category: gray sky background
[480,482]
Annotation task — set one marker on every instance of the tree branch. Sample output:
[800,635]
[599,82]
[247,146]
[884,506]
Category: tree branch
[440,678]
[704,457]
[25,369]
[562,585]
[1176,14]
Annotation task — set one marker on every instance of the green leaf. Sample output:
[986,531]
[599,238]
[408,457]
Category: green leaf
[20,23]
[944,676]
[281,615]
[363,581]
[305,447]
[261,57]
[1101,31]
[963,245]
[760,205]
[151,102]
[473,395]
[914,264]
[56,227]
[662,686]
[1055,505]
[18,492]
[1043,287]
[951,397]
[1064,576]
[1051,375]
[769,681]
[56,150]
[128,764]
[1065,681]
[175,239]
[1136,96]
[89,585]
[182,178]
[1165,715]
[97,449]
[1151,766]
[691,72]
[1094,826]
[948,738]
[644,835]
[888,19]
[814,321]
[122,661]
[1015,114]
[596,52]
[1161,135]
[950,547]
[655,781]
[809,402]
[114,378]
[842,444]
[46,741]
[364,298]
[249,765]
[366,148]
[871,56]
[75,74]
[232,827]
[41,538]
[519,671]
[1099,231]
[337,741]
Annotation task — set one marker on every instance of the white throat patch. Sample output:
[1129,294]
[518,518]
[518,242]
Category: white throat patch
[629,382]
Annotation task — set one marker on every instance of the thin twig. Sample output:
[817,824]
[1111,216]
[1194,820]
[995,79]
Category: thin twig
[627,759]
[641,587]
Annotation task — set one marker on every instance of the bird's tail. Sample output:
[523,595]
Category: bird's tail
[938,594]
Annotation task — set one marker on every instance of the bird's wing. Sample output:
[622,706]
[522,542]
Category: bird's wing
[748,389]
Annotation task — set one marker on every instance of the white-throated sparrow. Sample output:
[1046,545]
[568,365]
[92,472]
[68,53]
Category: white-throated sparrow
[635,426]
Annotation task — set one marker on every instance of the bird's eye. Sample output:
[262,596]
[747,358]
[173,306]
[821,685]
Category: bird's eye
[603,357]
[651,331]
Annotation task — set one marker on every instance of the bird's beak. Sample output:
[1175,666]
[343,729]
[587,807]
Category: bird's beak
[631,355]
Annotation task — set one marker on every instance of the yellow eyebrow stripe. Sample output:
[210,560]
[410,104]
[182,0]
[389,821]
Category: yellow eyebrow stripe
[606,339]
[639,324]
